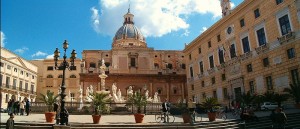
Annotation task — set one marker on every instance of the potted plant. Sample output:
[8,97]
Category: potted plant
[49,99]
[139,101]
[99,101]
[294,92]
[184,112]
[210,104]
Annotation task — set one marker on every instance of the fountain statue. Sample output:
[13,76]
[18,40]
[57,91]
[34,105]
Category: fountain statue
[156,98]
[129,91]
[80,98]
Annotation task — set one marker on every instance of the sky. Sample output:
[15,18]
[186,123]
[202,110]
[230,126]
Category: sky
[33,29]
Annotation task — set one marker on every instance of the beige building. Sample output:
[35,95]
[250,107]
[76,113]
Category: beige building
[132,63]
[18,78]
[254,47]
[50,78]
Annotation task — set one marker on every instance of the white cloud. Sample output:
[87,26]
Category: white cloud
[39,53]
[186,33]
[155,18]
[50,56]
[95,19]
[21,50]
[2,39]
[203,29]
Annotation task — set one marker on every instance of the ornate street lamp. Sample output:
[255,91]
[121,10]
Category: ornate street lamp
[63,116]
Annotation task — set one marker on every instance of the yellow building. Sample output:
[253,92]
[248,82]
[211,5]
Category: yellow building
[18,78]
[254,47]
[50,79]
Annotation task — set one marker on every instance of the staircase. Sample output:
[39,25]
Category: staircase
[265,122]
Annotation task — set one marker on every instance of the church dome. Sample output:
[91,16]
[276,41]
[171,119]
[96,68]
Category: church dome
[129,35]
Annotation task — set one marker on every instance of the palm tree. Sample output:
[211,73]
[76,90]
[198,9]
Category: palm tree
[49,99]
[258,99]
[210,104]
[269,96]
[138,100]
[99,100]
[294,91]
[247,98]
[279,98]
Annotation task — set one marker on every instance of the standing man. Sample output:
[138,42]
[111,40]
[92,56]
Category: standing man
[281,118]
[166,108]
[27,107]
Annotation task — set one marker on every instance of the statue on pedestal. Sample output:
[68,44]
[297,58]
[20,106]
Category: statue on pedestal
[130,91]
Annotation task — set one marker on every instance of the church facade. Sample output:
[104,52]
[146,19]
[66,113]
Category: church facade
[131,63]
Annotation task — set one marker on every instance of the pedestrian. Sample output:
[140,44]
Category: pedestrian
[192,107]
[22,107]
[166,108]
[10,122]
[281,119]
[9,106]
[27,107]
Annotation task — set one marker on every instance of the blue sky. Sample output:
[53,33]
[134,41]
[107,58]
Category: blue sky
[34,28]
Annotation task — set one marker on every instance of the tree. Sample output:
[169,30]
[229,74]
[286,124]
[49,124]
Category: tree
[49,99]
[99,100]
[210,104]
[258,99]
[279,98]
[294,92]
[138,100]
[247,98]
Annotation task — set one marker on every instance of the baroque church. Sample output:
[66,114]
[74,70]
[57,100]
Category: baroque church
[130,63]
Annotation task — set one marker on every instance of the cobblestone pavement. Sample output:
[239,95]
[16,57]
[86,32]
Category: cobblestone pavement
[116,119]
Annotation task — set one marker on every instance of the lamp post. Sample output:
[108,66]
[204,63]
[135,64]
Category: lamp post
[63,116]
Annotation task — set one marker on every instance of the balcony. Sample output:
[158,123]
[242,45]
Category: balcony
[286,38]
[221,66]
[233,61]
[246,56]
[262,49]
[211,70]
[191,80]
[200,75]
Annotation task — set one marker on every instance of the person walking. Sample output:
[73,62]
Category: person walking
[10,122]
[192,106]
[22,107]
[27,107]
[281,119]
[9,106]
[166,108]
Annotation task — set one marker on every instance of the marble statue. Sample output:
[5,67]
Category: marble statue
[114,88]
[119,95]
[155,98]
[147,94]
[129,91]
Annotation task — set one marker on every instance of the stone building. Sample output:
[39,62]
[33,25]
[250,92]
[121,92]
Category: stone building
[50,78]
[18,78]
[254,47]
[131,63]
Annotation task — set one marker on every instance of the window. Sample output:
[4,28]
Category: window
[213,80]
[26,86]
[183,66]
[93,65]
[279,1]
[15,70]
[170,66]
[72,76]
[291,53]
[174,91]
[266,62]
[256,13]
[221,56]
[203,95]
[72,96]
[27,74]
[8,67]
[261,37]
[242,22]
[201,67]
[219,38]
[251,87]
[245,43]
[32,76]
[22,72]
[72,67]
[269,83]
[14,83]
[190,56]
[159,90]
[215,94]
[7,81]
[295,76]
[2,64]
[223,77]
[191,72]
[225,92]
[50,68]
[132,62]
[232,51]
[107,64]
[49,76]
[249,68]
[211,61]
[60,76]
[20,85]
[285,24]
[156,65]
[199,50]
[32,88]
[1,77]
[209,44]
[202,83]
[192,87]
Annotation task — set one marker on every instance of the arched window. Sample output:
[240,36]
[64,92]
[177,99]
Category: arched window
[49,76]
[93,65]
[60,76]
[72,76]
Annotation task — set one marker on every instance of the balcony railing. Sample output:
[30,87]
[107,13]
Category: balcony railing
[221,66]
[211,70]
[286,38]
[233,61]
[246,56]
[4,86]
[262,48]
[200,75]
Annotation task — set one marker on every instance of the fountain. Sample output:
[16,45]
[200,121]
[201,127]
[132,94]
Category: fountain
[103,76]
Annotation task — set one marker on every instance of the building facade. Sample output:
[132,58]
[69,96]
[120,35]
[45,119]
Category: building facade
[50,78]
[131,63]
[18,78]
[254,48]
